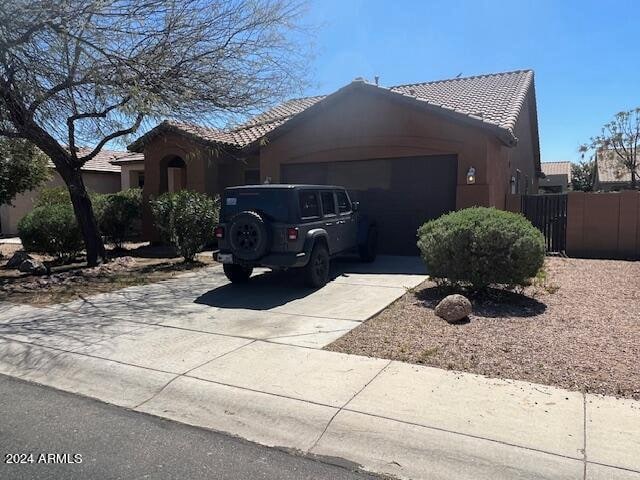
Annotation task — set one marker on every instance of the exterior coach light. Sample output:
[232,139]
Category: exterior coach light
[471,176]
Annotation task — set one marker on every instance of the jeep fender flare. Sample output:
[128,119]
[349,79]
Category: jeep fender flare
[312,237]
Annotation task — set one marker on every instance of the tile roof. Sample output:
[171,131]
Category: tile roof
[102,161]
[557,168]
[495,98]
[610,170]
[492,100]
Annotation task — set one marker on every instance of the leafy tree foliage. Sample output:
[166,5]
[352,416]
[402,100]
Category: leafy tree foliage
[22,168]
[582,176]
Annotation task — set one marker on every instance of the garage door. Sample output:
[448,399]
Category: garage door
[400,193]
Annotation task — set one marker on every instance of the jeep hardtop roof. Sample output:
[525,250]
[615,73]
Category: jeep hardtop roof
[279,186]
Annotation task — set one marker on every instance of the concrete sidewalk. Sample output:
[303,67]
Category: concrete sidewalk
[186,350]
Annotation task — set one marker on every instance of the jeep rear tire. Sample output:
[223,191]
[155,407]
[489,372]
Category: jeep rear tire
[248,236]
[316,272]
[369,248]
[237,273]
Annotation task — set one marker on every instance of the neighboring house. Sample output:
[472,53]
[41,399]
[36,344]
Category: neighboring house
[408,153]
[99,175]
[610,175]
[557,177]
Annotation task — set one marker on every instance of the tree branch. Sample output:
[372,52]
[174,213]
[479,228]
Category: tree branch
[79,116]
[111,136]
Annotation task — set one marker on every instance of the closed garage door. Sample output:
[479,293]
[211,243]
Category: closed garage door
[399,193]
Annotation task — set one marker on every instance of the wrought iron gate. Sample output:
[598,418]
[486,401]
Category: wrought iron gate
[548,213]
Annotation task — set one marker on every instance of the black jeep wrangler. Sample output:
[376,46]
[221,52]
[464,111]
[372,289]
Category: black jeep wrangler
[290,226]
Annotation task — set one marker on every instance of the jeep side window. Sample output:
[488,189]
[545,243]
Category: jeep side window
[328,204]
[344,205]
[309,207]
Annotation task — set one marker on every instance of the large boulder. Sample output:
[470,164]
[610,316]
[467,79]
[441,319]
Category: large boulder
[17,258]
[454,308]
[32,266]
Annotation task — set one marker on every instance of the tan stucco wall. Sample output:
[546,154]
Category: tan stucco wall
[10,215]
[129,175]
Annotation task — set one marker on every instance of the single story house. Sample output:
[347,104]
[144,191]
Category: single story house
[99,175]
[557,177]
[610,175]
[407,153]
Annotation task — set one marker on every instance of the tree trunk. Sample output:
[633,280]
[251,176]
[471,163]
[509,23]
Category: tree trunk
[84,215]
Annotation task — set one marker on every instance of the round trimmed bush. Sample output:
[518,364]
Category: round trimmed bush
[51,230]
[481,247]
[186,220]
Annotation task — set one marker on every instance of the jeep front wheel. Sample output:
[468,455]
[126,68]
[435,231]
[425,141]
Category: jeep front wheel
[237,273]
[316,272]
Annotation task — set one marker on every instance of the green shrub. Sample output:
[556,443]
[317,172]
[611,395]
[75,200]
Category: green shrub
[119,215]
[186,220]
[52,230]
[482,246]
[53,196]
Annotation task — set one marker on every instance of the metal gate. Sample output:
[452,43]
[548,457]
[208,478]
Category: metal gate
[548,213]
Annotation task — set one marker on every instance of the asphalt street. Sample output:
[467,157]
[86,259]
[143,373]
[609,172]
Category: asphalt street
[55,435]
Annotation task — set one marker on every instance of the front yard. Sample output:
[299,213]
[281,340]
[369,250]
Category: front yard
[579,330]
[139,264]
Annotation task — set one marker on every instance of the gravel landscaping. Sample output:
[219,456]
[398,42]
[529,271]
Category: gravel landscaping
[579,328]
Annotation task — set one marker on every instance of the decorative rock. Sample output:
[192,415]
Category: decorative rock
[453,308]
[17,258]
[33,267]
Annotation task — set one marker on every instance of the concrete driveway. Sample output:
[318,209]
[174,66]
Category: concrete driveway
[246,360]
[272,306]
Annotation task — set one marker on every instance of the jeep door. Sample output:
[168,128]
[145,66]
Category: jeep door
[330,217]
[347,227]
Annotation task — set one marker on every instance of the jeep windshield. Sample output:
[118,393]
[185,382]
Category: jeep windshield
[271,203]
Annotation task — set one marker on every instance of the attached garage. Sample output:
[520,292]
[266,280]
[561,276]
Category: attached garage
[399,193]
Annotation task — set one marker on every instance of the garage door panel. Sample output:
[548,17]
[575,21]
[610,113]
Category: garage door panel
[400,194]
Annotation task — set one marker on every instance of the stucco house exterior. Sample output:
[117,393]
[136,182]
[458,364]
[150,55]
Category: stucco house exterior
[408,153]
[557,177]
[609,175]
[99,175]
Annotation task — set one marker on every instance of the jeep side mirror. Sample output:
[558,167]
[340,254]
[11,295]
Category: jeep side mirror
[354,206]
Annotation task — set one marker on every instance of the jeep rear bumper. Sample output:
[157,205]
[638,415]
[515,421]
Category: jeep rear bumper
[275,260]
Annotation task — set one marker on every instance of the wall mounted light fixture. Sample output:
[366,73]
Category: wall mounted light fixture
[471,176]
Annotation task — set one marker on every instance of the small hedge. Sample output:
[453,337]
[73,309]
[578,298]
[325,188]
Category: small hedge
[186,220]
[51,230]
[478,247]
[119,215]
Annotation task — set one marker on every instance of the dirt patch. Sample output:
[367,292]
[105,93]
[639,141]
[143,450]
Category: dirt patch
[578,329]
[137,264]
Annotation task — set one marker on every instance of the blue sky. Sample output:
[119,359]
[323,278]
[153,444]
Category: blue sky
[585,54]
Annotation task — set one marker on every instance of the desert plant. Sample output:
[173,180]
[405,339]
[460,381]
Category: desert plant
[186,220]
[119,215]
[478,247]
[52,230]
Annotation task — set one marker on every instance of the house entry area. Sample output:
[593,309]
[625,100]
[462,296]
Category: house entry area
[399,193]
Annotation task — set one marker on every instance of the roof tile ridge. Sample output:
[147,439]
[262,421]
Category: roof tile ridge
[470,77]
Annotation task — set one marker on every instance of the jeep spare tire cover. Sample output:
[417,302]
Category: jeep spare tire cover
[248,236]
